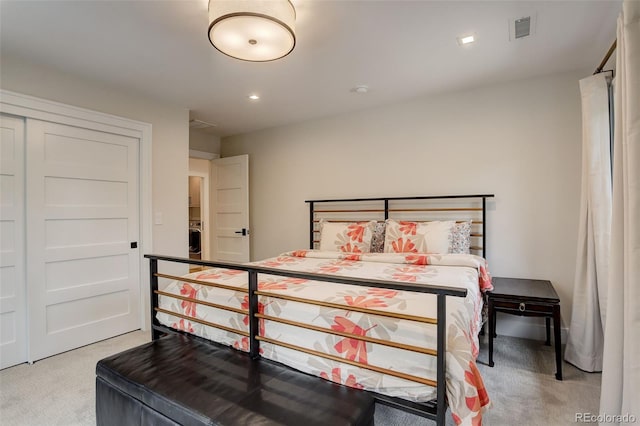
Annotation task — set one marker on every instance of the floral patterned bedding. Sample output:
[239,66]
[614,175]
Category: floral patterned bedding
[465,390]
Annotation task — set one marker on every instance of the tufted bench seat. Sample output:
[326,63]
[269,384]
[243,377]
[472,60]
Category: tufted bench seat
[186,380]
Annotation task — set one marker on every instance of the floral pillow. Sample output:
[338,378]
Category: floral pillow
[349,237]
[418,237]
[461,238]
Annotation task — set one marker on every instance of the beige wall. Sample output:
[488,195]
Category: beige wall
[518,140]
[202,141]
[170,137]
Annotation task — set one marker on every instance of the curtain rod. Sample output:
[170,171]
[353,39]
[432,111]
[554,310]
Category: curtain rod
[606,57]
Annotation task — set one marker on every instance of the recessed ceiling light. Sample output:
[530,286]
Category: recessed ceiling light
[254,97]
[467,39]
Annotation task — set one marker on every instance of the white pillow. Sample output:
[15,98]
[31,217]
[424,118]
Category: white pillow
[418,237]
[349,237]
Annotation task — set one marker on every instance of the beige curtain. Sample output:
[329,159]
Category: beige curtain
[586,332]
[620,394]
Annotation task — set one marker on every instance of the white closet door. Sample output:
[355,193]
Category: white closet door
[82,216]
[13,312]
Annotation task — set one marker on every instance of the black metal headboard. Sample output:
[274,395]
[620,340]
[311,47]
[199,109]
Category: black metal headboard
[421,208]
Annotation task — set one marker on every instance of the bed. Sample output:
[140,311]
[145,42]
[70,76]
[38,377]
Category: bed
[368,320]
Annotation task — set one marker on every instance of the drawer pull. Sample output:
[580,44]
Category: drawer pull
[522,307]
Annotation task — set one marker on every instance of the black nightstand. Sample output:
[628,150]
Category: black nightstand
[533,298]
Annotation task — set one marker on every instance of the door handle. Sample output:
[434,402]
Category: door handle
[243,232]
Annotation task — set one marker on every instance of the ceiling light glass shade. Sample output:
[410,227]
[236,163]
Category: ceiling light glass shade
[252,30]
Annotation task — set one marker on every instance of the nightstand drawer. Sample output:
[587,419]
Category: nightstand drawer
[522,308]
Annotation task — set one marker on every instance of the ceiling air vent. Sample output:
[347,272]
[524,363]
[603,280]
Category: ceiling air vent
[522,27]
[200,125]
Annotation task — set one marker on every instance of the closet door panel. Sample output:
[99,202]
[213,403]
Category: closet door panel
[82,199]
[13,314]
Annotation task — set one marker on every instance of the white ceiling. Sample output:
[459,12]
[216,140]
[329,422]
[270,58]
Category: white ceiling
[400,49]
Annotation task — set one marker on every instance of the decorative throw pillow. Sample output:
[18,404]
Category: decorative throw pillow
[377,242]
[418,237]
[349,237]
[461,238]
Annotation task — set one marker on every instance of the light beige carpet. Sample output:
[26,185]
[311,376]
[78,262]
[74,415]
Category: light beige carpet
[523,388]
[61,390]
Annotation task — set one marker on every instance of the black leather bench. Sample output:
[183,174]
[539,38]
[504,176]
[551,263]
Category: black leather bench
[185,380]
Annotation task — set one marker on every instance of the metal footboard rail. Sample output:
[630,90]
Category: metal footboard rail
[430,410]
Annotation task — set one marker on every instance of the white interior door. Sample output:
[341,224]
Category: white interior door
[82,204]
[230,204]
[13,308]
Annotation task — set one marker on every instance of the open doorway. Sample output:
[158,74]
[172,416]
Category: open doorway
[199,241]
[195,217]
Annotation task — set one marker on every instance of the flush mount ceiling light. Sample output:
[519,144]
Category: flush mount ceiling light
[252,30]
[254,97]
